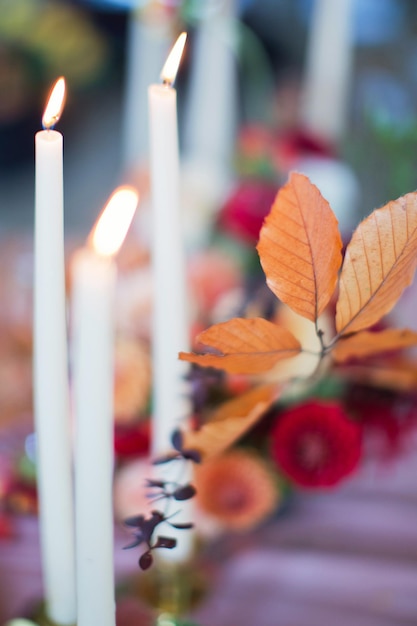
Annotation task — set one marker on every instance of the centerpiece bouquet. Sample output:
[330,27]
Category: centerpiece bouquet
[294,397]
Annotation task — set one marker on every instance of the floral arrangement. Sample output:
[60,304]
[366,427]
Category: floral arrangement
[293,397]
[301,382]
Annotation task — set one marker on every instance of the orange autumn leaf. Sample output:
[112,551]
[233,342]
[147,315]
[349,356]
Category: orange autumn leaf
[231,420]
[246,346]
[397,375]
[300,248]
[366,343]
[379,263]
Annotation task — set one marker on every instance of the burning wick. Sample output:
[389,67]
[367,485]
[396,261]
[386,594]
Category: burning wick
[170,69]
[55,105]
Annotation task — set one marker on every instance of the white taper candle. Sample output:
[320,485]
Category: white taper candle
[170,318]
[328,68]
[170,310]
[50,373]
[94,277]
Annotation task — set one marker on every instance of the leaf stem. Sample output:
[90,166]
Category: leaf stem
[320,335]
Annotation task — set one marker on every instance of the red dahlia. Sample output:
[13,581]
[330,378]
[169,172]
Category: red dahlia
[132,441]
[245,210]
[316,444]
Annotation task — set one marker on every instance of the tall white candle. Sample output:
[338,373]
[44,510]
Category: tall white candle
[328,69]
[170,324]
[94,276]
[170,316]
[50,372]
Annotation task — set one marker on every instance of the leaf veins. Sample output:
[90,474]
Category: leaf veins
[300,248]
[379,263]
[246,346]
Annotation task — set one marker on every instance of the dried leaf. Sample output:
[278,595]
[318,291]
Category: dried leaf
[185,526]
[134,544]
[300,248]
[165,542]
[191,455]
[247,346]
[145,561]
[135,520]
[150,482]
[176,440]
[185,492]
[379,263]
[366,343]
[232,420]
[399,375]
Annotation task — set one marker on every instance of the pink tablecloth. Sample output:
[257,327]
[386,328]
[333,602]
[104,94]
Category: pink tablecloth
[347,557]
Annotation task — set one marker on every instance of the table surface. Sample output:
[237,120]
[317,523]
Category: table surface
[344,557]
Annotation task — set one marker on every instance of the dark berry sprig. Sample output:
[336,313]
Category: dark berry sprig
[145,527]
[144,530]
[187,454]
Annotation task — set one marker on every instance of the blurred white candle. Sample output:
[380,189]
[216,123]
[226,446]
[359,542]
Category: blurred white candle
[212,95]
[211,118]
[328,69]
[94,276]
[50,372]
[148,38]
[170,309]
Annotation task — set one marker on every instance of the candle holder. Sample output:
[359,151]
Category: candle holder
[167,620]
[40,617]
[172,589]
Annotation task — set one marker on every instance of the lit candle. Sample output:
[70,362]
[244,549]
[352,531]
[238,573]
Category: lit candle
[170,316]
[170,327]
[329,64]
[94,276]
[50,372]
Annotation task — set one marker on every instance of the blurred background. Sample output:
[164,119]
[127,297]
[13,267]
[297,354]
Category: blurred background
[91,43]
[326,87]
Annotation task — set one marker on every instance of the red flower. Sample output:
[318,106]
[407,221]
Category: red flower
[243,214]
[316,444]
[292,145]
[387,418]
[7,529]
[132,441]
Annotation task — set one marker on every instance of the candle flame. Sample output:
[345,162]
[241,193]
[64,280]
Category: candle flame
[113,223]
[170,69]
[55,104]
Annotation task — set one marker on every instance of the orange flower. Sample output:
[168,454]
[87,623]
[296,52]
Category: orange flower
[237,489]
[132,379]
